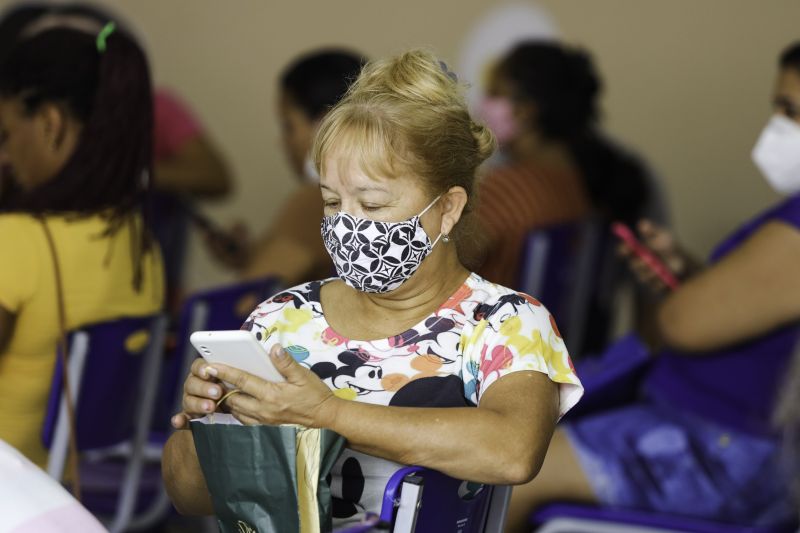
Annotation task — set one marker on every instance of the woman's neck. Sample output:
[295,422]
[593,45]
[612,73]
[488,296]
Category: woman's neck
[392,313]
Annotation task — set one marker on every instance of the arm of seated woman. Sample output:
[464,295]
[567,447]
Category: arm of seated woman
[503,441]
[183,477]
[751,291]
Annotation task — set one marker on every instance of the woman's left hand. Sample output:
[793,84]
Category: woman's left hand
[302,399]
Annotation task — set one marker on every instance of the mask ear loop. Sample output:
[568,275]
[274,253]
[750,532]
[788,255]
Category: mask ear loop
[446,237]
[429,206]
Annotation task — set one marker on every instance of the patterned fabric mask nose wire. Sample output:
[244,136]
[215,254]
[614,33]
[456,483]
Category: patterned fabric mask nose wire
[373,256]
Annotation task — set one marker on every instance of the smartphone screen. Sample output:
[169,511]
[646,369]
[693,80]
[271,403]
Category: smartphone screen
[653,262]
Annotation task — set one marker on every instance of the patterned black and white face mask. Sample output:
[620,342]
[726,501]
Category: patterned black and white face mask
[376,256]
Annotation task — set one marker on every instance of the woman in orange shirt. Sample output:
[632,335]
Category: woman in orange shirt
[557,168]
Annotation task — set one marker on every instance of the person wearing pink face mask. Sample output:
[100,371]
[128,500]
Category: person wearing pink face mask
[556,166]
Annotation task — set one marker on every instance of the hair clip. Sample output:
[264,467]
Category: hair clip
[446,70]
[107,30]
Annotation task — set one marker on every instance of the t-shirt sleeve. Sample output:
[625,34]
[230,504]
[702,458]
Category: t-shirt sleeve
[20,267]
[174,125]
[527,339]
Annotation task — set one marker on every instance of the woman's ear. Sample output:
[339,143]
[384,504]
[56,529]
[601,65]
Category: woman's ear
[453,203]
[53,125]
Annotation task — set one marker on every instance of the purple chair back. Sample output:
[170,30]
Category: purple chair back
[613,378]
[110,384]
[447,504]
[113,369]
[223,308]
[559,267]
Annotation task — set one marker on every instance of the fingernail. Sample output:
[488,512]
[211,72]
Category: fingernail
[211,371]
[213,392]
[280,352]
[176,421]
[207,406]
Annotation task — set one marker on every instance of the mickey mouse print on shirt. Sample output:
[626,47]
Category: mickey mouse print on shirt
[481,333]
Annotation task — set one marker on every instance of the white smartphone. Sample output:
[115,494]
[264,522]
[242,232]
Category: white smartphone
[238,349]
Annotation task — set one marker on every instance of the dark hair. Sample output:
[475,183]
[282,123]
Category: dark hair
[790,57]
[564,87]
[110,94]
[14,20]
[318,80]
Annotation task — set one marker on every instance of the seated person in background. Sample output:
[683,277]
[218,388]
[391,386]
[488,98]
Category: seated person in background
[188,165]
[409,352]
[84,179]
[699,442]
[542,106]
[291,248]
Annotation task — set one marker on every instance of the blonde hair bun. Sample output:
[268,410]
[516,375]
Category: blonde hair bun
[407,113]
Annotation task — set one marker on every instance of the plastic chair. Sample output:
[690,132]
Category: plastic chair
[560,266]
[420,500]
[222,308]
[573,518]
[613,378]
[113,369]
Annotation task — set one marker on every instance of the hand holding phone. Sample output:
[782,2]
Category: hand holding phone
[238,349]
[645,254]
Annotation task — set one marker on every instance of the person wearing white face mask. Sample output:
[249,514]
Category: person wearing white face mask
[699,441]
[290,248]
[777,152]
[409,356]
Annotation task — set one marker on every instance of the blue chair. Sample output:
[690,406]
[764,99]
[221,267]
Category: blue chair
[560,266]
[421,500]
[113,370]
[222,308]
[574,518]
[613,378]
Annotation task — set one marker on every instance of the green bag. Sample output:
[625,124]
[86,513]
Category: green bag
[263,478]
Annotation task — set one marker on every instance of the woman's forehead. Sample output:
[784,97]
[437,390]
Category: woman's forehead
[343,172]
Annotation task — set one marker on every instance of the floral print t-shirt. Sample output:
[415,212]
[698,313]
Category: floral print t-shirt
[480,334]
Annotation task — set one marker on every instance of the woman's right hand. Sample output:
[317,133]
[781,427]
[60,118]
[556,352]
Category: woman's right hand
[201,392]
[663,243]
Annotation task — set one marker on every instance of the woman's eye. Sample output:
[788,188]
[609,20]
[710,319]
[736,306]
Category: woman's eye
[331,204]
[372,208]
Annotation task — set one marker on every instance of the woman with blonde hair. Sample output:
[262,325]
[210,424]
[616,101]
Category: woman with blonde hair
[409,356]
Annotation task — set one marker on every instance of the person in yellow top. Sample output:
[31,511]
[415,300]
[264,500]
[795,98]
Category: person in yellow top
[76,136]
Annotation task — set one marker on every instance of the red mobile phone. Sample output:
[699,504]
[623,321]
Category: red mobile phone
[656,265]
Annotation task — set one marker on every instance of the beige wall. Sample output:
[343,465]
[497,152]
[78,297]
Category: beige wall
[688,84]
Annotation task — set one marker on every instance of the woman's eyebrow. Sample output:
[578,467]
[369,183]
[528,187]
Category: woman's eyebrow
[367,188]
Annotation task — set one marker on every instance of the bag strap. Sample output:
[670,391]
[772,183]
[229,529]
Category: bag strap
[61,350]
